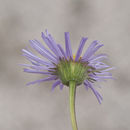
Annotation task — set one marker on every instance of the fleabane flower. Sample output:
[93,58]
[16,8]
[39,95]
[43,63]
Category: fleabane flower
[62,67]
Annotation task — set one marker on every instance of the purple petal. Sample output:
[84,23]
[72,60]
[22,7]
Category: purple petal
[100,77]
[34,62]
[100,65]
[68,46]
[36,67]
[91,50]
[97,57]
[42,51]
[95,49]
[104,73]
[28,54]
[104,77]
[37,72]
[61,86]
[108,69]
[92,45]
[42,80]
[55,44]
[82,43]
[86,85]
[98,94]
[62,51]
[51,44]
[41,45]
[55,84]
[99,97]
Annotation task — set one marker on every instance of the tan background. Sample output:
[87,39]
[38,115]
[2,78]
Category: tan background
[36,107]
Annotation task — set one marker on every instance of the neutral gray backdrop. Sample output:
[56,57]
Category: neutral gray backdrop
[36,107]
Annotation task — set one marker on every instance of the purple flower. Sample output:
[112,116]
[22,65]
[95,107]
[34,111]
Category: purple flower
[61,66]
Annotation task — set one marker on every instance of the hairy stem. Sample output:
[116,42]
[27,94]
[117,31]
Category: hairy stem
[72,88]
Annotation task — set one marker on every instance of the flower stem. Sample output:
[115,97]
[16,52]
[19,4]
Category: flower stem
[72,88]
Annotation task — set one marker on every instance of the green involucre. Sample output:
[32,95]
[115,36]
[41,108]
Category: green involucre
[72,71]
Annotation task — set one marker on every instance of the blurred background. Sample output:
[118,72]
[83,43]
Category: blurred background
[35,107]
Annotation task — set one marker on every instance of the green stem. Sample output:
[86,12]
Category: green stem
[72,88]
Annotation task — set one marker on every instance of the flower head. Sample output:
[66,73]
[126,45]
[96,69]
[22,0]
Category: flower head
[62,67]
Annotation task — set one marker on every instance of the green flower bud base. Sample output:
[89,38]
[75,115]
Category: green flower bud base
[72,71]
